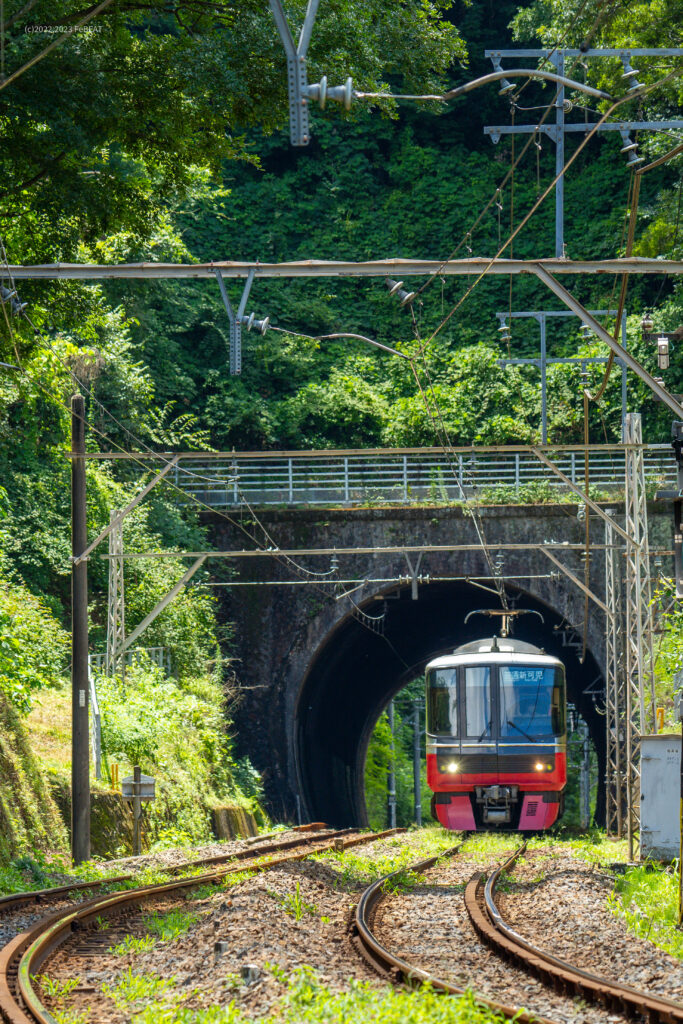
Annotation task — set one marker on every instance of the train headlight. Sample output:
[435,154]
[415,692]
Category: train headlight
[539,767]
[452,767]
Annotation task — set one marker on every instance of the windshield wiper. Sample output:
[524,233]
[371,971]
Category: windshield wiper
[525,734]
[487,728]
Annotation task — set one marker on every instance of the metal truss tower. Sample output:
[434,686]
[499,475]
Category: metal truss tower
[615,689]
[116,619]
[640,696]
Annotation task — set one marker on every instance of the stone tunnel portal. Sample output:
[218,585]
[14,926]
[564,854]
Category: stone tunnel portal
[357,671]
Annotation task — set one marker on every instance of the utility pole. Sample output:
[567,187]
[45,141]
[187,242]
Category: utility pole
[556,132]
[391,774]
[417,781]
[80,754]
[585,778]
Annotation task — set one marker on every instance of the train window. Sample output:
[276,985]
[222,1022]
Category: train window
[529,703]
[442,702]
[478,701]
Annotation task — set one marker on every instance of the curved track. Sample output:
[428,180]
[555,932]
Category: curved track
[23,957]
[400,971]
[37,896]
[561,975]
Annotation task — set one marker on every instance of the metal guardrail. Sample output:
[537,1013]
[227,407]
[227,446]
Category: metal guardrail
[393,476]
[160,656]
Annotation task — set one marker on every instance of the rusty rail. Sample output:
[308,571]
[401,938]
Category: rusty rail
[23,957]
[559,974]
[18,899]
[400,971]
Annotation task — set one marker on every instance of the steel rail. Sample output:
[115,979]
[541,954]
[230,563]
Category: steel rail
[34,896]
[552,970]
[401,971]
[23,957]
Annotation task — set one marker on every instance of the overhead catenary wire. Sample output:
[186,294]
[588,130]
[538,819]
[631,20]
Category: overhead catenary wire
[61,38]
[288,562]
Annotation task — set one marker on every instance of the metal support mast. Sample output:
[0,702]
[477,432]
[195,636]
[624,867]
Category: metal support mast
[615,691]
[116,621]
[640,697]
[557,131]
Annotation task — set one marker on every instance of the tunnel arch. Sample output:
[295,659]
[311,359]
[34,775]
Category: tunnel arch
[356,671]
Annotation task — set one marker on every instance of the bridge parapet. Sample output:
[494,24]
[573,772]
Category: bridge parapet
[408,476]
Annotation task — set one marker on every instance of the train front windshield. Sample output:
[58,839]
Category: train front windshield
[530,702]
[503,702]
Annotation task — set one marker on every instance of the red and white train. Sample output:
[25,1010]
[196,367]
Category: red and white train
[496,736]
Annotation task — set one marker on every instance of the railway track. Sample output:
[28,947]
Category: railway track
[39,896]
[28,952]
[400,971]
[559,974]
[479,897]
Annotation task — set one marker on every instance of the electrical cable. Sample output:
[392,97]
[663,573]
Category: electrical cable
[286,561]
[61,38]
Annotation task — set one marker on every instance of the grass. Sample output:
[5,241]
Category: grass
[646,897]
[132,988]
[170,926]
[133,944]
[355,869]
[308,1001]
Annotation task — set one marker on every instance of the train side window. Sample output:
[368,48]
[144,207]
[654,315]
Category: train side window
[559,704]
[478,713]
[442,702]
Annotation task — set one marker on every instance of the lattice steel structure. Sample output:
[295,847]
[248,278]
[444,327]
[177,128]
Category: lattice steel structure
[116,617]
[640,695]
[615,689]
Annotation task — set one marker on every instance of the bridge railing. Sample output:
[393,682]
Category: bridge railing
[405,476]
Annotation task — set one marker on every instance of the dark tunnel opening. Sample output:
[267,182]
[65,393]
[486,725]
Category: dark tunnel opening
[358,671]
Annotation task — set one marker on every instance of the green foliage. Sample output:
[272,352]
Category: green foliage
[646,897]
[355,870]
[179,729]
[294,904]
[171,925]
[382,753]
[133,944]
[29,819]
[33,646]
[132,988]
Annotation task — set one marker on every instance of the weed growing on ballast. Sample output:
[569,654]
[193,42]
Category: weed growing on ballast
[356,868]
[58,991]
[133,944]
[646,897]
[308,1001]
[71,1016]
[171,925]
[131,988]
[294,904]
[54,988]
